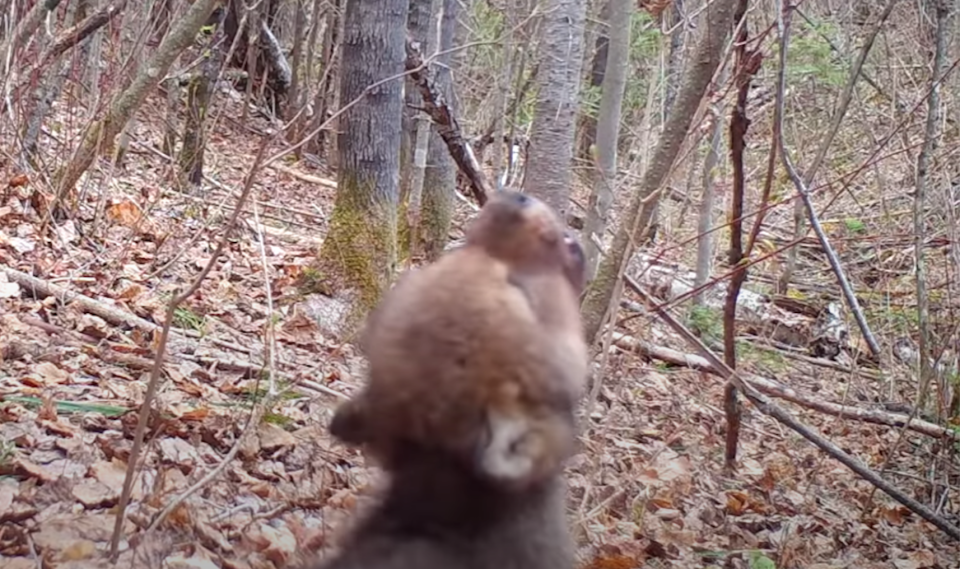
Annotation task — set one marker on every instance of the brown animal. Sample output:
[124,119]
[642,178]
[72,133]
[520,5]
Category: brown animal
[438,514]
[480,354]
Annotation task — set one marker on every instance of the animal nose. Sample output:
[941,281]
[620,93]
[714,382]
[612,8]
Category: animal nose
[522,200]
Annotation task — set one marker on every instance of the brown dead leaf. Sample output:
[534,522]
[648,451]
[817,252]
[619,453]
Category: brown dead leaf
[93,326]
[181,562]
[273,438]
[198,414]
[736,503]
[48,407]
[893,515]
[57,427]
[94,494]
[31,470]
[111,474]
[18,181]
[125,213]
[277,544]
[612,562]
[923,558]
[8,491]
[78,550]
[18,563]
[49,374]
[131,291]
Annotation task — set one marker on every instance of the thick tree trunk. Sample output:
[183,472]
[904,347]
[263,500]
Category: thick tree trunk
[548,172]
[358,254]
[697,76]
[608,129]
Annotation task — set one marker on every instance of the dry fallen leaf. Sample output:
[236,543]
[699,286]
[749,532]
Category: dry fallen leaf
[50,374]
[125,213]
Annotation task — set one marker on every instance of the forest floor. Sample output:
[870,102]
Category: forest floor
[647,490]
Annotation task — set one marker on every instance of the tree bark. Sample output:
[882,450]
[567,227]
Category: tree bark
[440,177]
[608,130]
[358,254]
[199,96]
[548,172]
[697,76]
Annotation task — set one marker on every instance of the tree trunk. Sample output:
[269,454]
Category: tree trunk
[199,95]
[674,58]
[608,129]
[548,171]
[440,177]
[705,213]
[418,22]
[293,102]
[326,92]
[697,76]
[47,91]
[100,136]
[26,27]
[598,69]
[358,254]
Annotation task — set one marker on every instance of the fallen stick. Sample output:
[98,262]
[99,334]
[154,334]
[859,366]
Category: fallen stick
[111,314]
[781,391]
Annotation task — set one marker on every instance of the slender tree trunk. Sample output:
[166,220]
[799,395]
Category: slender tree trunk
[418,23]
[359,252]
[675,55]
[705,213]
[548,171]
[26,28]
[636,216]
[440,177]
[608,130]
[598,69]
[924,159]
[293,100]
[422,27]
[199,98]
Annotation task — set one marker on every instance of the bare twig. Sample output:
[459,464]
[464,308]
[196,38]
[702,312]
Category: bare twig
[802,186]
[447,125]
[780,391]
[111,314]
[748,63]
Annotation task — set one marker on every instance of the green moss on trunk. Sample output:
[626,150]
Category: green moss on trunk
[359,252]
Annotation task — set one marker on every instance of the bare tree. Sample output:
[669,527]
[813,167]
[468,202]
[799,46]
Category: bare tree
[931,133]
[199,95]
[705,213]
[440,176]
[703,64]
[548,171]
[359,252]
[608,129]
[101,134]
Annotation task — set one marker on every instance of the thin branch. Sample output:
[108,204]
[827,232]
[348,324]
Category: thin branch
[801,186]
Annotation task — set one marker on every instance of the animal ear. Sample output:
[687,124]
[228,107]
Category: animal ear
[350,423]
